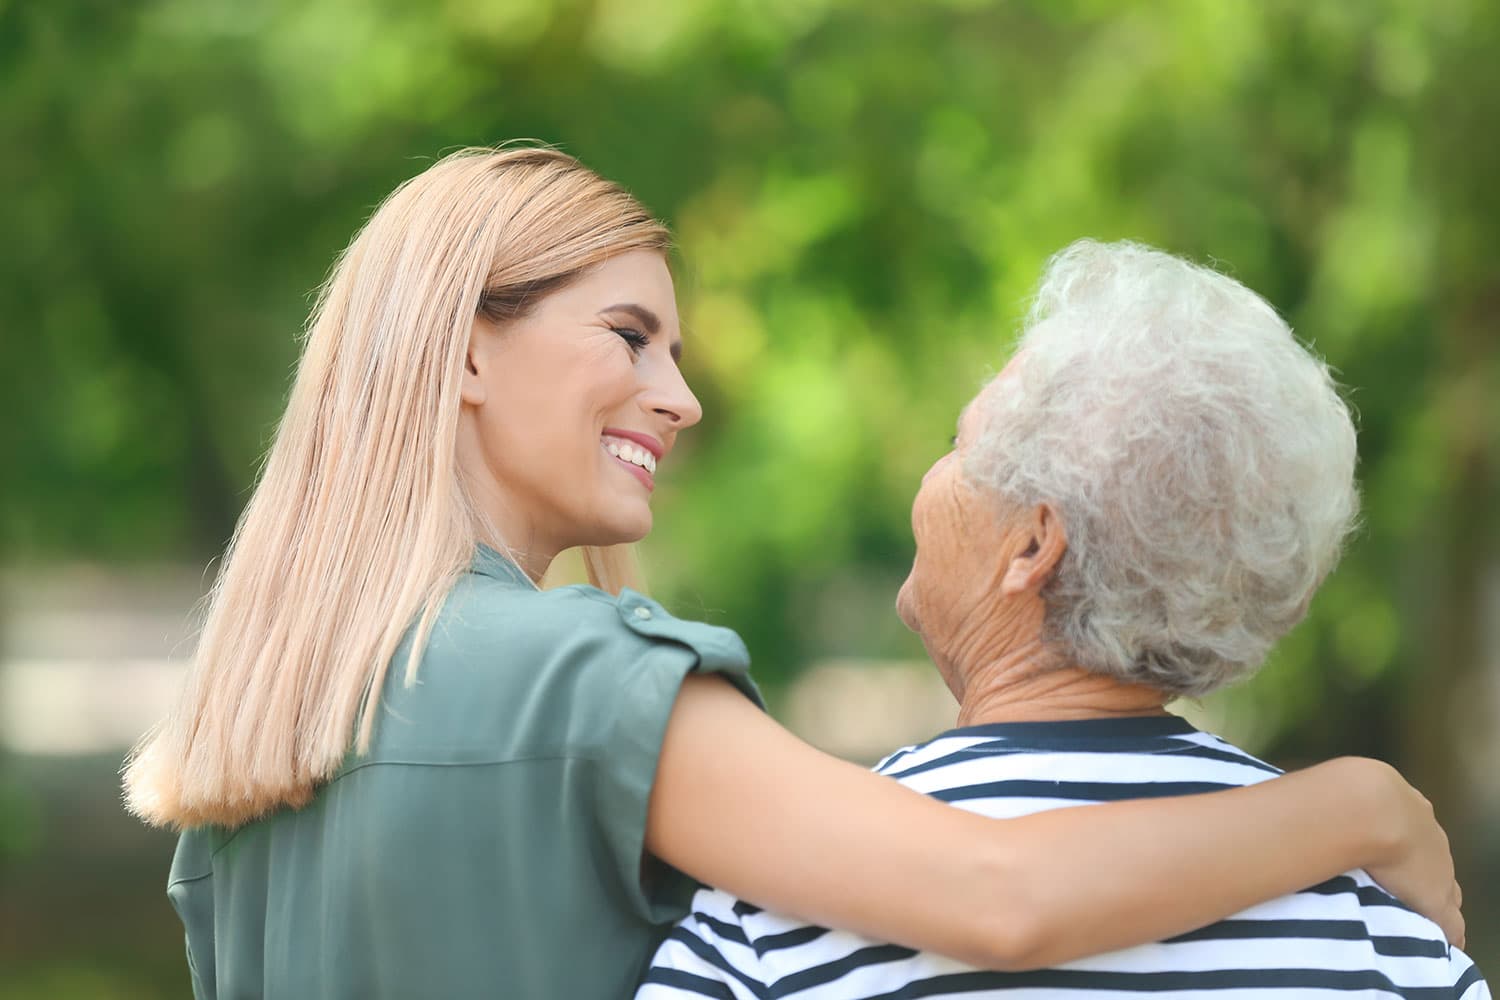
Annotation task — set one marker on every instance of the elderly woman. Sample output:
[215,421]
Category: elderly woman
[1136,509]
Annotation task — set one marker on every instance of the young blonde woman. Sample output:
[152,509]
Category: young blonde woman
[402,770]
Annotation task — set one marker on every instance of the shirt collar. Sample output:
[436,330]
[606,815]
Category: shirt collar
[491,563]
[1124,729]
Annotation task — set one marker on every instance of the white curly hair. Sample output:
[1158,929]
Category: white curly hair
[1201,459]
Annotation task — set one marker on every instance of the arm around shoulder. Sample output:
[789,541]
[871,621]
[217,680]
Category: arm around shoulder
[741,804]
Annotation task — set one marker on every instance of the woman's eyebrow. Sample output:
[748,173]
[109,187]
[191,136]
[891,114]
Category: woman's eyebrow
[647,318]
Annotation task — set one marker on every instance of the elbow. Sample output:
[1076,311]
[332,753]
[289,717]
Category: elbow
[1018,946]
[1017,937]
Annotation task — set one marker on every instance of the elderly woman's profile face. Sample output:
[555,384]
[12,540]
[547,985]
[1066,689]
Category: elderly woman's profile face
[569,409]
[965,544]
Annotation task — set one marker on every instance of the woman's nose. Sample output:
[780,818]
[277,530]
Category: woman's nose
[936,466]
[671,398]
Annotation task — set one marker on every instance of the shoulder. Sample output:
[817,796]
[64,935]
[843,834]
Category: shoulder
[509,671]
[192,861]
[714,646]
[487,615]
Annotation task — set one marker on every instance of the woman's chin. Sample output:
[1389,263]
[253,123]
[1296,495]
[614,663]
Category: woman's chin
[905,609]
[628,526]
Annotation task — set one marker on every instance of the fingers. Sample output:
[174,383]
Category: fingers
[1451,918]
[1458,935]
[1452,923]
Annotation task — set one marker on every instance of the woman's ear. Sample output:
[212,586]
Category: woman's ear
[1046,542]
[473,391]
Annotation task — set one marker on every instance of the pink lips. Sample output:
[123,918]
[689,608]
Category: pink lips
[645,441]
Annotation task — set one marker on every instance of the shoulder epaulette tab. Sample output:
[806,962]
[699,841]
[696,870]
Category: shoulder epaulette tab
[716,647]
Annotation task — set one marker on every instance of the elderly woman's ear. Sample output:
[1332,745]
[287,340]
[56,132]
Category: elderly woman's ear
[1042,540]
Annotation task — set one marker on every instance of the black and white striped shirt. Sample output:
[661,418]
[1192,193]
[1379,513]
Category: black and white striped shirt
[1344,938]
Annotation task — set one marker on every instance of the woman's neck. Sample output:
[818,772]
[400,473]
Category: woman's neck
[534,560]
[1028,684]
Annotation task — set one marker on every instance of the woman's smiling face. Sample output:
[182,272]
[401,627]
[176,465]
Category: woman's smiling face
[569,409]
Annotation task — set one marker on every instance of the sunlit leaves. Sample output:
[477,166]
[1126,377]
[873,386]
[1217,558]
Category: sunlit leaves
[863,196]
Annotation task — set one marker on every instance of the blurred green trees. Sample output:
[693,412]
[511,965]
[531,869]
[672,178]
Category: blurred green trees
[863,196]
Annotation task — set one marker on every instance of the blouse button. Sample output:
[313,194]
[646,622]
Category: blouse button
[643,613]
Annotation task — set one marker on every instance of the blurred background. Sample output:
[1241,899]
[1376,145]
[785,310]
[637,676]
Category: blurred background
[863,196]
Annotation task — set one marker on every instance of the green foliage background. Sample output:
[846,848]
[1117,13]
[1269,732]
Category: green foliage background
[863,196]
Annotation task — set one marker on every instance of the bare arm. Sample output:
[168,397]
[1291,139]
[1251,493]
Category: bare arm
[742,804]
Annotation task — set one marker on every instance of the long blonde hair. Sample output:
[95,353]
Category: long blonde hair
[360,523]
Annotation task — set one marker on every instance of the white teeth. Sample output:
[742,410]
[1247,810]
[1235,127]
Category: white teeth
[633,455]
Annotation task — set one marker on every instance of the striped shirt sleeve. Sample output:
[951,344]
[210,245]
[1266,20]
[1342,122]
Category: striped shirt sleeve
[708,954]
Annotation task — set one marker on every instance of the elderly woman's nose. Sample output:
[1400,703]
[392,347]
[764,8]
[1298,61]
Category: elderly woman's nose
[936,466]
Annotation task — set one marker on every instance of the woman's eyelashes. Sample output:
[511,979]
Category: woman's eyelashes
[637,340]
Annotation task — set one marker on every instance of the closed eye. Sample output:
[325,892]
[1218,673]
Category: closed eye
[637,340]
